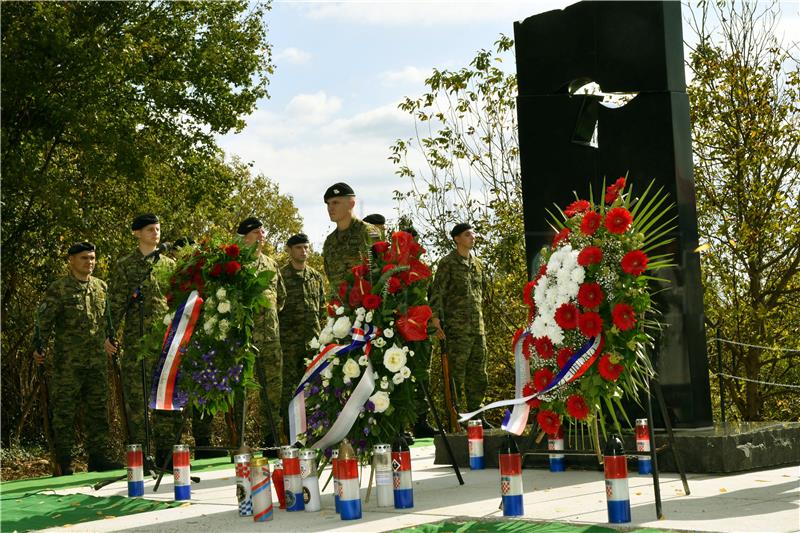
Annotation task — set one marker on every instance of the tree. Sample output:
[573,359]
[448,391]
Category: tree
[745,112]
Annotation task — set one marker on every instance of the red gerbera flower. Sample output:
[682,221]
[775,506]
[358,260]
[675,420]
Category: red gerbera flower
[380,247]
[590,223]
[590,295]
[618,220]
[394,285]
[216,270]
[613,190]
[232,268]
[527,390]
[608,370]
[527,344]
[576,407]
[527,293]
[634,262]
[371,301]
[232,250]
[620,183]
[548,421]
[544,347]
[563,357]
[578,206]
[560,236]
[590,324]
[624,316]
[567,316]
[591,255]
[542,378]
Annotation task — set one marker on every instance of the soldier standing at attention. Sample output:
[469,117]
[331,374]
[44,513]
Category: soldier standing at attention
[266,336]
[74,307]
[349,244]
[457,304]
[299,318]
[379,221]
[133,284]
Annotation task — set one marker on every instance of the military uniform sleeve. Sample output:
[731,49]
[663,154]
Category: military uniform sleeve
[439,289]
[281,287]
[322,308]
[117,296]
[47,313]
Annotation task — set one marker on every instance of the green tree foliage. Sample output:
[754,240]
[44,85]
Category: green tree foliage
[463,165]
[110,109]
[745,111]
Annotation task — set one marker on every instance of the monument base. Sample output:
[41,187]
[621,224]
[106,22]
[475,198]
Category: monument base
[734,447]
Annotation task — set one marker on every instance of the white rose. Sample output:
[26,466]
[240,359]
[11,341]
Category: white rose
[379,342]
[405,372]
[346,380]
[327,373]
[326,336]
[224,325]
[168,318]
[363,361]
[394,359]
[209,324]
[351,369]
[221,293]
[209,303]
[329,322]
[224,307]
[313,344]
[384,385]
[397,379]
[335,361]
[325,382]
[381,401]
[388,333]
[339,311]
[369,316]
[342,327]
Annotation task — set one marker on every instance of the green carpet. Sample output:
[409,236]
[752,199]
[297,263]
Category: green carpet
[514,526]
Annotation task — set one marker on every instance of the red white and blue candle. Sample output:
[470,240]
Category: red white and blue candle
[556,443]
[261,489]
[643,445]
[243,495]
[292,479]
[511,477]
[615,466]
[475,444]
[135,470]
[401,475]
[349,486]
[181,472]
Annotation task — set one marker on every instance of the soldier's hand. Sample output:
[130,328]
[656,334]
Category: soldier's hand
[38,357]
[439,331]
[110,348]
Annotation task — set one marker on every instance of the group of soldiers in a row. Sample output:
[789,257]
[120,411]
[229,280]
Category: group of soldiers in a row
[83,315]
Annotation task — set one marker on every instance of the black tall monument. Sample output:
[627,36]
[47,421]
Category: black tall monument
[625,47]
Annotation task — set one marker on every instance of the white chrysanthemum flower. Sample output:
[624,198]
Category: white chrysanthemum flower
[379,342]
[351,369]
[405,372]
[388,333]
[168,318]
[397,379]
[342,327]
[221,293]
[394,359]
[363,360]
[380,400]
[369,317]
[224,307]
[578,274]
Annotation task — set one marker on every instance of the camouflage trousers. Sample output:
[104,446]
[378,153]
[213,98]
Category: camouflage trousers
[76,385]
[269,376]
[466,357]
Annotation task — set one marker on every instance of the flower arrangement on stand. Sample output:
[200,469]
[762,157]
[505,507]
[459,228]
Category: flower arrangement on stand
[383,301]
[593,285]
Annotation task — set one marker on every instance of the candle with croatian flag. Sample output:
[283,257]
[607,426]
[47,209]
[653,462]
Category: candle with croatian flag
[135,470]
[401,467]
[615,466]
[556,443]
[349,486]
[181,472]
[475,444]
[510,477]
[643,445]
[292,481]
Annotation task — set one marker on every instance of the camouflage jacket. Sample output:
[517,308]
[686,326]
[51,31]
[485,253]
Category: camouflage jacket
[456,295]
[129,273]
[266,327]
[345,249]
[305,300]
[75,310]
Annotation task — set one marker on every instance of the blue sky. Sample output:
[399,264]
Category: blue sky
[342,68]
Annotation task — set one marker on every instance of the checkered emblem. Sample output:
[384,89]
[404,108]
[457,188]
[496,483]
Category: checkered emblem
[396,481]
[609,490]
[340,491]
[505,486]
[178,475]
[395,465]
[640,447]
[130,474]
[304,471]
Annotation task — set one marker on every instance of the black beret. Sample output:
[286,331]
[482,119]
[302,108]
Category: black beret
[338,189]
[79,247]
[458,229]
[300,238]
[375,218]
[249,224]
[144,220]
[183,241]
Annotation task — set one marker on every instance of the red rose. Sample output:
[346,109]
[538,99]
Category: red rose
[413,326]
[544,347]
[563,357]
[360,288]
[232,268]
[527,344]
[527,390]
[608,370]
[380,247]
[394,285]
[542,378]
[578,206]
[548,421]
[527,293]
[591,255]
[371,301]
[567,316]
[232,250]
[216,270]
[576,407]
[624,317]
[590,324]
[590,295]
[560,236]
[360,271]
[590,223]
[618,220]
[634,262]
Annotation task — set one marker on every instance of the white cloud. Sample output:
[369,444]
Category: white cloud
[406,76]
[313,108]
[387,122]
[293,55]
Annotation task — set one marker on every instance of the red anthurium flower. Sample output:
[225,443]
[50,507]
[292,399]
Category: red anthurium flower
[416,249]
[578,206]
[371,301]
[380,247]
[634,262]
[591,222]
[527,390]
[590,295]
[527,293]
[542,378]
[576,407]
[413,326]
[401,247]
[563,357]
[394,285]
[560,236]
[387,267]
[591,255]
[232,268]
[216,270]
[360,288]
[544,347]
[567,316]
[624,316]
[609,370]
[618,220]
[590,324]
[418,271]
[548,421]
[360,271]
[232,250]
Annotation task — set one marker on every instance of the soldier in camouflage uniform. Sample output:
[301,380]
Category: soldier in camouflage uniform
[74,308]
[379,221]
[457,301]
[131,272]
[266,336]
[349,244]
[300,316]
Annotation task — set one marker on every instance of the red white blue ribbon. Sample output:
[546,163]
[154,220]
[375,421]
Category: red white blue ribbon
[164,393]
[514,421]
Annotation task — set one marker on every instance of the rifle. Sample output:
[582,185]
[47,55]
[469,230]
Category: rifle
[117,375]
[449,389]
[44,396]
